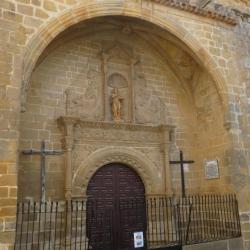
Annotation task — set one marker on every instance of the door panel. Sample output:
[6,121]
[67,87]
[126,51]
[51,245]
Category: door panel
[116,192]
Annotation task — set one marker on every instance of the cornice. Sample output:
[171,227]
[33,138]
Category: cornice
[225,15]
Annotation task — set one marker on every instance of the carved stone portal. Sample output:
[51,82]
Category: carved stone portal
[90,137]
[103,111]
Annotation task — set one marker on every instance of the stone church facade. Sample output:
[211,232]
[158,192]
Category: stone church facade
[128,81]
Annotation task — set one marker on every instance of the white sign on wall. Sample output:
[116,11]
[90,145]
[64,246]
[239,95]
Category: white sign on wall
[247,62]
[212,169]
[138,239]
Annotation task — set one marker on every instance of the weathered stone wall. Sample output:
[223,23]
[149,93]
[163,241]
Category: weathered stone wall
[69,69]
[68,82]
[242,5]
[231,244]
[220,47]
[241,157]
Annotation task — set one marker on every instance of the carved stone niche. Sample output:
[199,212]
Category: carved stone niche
[118,72]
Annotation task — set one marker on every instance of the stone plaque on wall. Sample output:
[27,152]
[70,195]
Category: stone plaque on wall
[247,63]
[211,169]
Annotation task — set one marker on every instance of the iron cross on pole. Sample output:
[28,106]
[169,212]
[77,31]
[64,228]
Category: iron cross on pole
[182,162]
[43,153]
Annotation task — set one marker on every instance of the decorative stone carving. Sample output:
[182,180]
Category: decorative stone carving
[204,102]
[118,73]
[203,3]
[120,133]
[81,152]
[117,81]
[86,104]
[92,137]
[223,15]
[186,65]
[73,102]
[133,158]
[147,107]
[119,52]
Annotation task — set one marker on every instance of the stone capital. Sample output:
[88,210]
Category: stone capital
[68,143]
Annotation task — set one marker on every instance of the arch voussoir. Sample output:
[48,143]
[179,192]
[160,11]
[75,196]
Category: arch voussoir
[136,160]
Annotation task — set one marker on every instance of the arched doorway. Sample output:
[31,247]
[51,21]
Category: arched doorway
[116,207]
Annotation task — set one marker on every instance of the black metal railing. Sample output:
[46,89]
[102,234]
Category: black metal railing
[78,224]
[191,220]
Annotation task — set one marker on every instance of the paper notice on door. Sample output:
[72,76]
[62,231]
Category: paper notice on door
[138,239]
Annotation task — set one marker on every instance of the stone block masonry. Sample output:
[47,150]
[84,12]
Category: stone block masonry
[231,244]
[217,116]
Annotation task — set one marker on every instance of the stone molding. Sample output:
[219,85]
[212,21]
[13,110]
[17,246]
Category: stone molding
[113,154]
[227,17]
[111,132]
[73,121]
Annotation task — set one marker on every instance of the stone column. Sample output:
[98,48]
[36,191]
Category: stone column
[165,130]
[104,87]
[68,161]
[131,113]
[68,146]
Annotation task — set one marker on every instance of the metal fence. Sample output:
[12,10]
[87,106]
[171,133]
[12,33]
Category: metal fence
[191,220]
[169,221]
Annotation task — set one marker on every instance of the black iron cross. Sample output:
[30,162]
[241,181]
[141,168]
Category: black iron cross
[43,153]
[182,162]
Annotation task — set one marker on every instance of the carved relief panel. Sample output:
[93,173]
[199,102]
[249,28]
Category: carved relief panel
[117,90]
[147,106]
[85,103]
[205,99]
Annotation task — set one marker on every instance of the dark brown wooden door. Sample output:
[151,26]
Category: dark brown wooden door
[116,194]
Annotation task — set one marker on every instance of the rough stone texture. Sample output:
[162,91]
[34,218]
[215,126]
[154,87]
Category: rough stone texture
[202,77]
[231,244]
[69,83]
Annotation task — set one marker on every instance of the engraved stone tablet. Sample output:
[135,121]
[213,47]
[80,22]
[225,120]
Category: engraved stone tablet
[212,169]
[247,62]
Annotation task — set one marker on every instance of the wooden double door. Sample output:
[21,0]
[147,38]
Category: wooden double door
[116,208]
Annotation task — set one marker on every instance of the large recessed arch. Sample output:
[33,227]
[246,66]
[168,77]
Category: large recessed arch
[51,29]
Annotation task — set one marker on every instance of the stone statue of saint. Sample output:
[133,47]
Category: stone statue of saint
[116,105]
